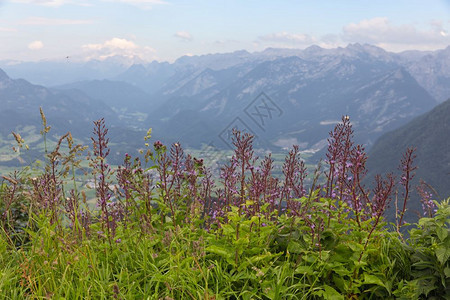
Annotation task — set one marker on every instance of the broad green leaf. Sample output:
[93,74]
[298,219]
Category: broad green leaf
[424,221]
[242,242]
[304,270]
[329,293]
[340,282]
[257,258]
[442,254]
[332,294]
[295,247]
[221,251]
[228,229]
[343,253]
[442,233]
[356,246]
[447,272]
[372,279]
[255,219]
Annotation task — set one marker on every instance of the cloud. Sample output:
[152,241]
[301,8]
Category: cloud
[118,47]
[115,43]
[286,40]
[52,3]
[145,4]
[184,35]
[36,45]
[140,1]
[288,37]
[7,29]
[226,42]
[53,22]
[380,31]
[438,27]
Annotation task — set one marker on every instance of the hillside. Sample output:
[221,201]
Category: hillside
[429,134]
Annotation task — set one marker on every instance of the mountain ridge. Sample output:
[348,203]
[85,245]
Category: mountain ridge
[377,88]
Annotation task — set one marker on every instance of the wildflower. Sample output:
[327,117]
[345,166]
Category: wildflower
[158,145]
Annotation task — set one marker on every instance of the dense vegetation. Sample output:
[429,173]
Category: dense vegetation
[163,229]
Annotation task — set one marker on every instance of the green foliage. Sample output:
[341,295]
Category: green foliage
[281,260]
[430,255]
[160,240]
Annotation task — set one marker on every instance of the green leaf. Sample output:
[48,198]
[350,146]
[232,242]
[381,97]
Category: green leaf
[255,219]
[424,221]
[442,233]
[329,293]
[221,251]
[228,230]
[304,270]
[343,253]
[340,282]
[338,268]
[241,243]
[295,247]
[447,272]
[372,279]
[266,256]
[356,246]
[442,254]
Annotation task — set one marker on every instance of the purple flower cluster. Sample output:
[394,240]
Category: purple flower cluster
[110,211]
[347,169]
[294,171]
[426,198]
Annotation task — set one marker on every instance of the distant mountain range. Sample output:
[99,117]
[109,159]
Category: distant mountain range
[311,89]
[66,70]
[283,96]
[68,110]
[20,102]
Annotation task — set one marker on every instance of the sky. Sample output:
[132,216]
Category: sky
[164,30]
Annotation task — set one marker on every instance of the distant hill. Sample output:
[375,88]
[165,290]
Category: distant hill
[116,94]
[429,133]
[63,71]
[70,110]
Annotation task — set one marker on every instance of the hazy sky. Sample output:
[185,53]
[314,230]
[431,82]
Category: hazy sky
[168,29]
